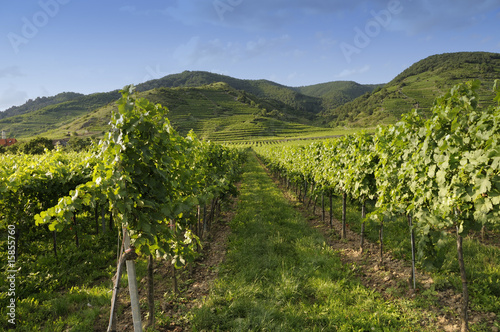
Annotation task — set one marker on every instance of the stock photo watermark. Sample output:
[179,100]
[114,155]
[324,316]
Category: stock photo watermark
[372,29]
[11,274]
[223,6]
[32,25]
[153,73]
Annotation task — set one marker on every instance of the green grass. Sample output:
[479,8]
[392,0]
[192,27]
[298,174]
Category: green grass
[76,309]
[67,293]
[279,275]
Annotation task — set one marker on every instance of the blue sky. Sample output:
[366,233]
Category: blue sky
[51,46]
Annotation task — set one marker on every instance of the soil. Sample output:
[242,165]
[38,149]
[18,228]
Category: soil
[491,238]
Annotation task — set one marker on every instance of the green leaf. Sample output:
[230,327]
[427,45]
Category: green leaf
[483,183]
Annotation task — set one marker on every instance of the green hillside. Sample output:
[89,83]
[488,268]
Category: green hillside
[336,93]
[215,111]
[55,119]
[54,116]
[220,107]
[417,87]
[270,109]
[264,89]
[38,103]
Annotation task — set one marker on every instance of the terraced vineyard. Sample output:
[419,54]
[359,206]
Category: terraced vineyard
[216,112]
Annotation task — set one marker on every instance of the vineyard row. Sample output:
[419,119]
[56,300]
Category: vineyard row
[442,173]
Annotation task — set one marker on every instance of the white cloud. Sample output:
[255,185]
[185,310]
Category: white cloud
[326,40]
[12,97]
[11,71]
[197,51]
[352,72]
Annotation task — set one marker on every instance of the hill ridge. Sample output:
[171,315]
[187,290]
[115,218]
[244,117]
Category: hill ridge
[417,87]
[335,104]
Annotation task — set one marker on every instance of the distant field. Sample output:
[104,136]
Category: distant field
[297,140]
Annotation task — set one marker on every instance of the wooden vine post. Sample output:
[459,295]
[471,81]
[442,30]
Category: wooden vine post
[132,283]
[412,240]
[127,257]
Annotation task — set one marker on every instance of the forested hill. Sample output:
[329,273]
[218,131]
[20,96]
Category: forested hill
[332,104]
[38,103]
[337,93]
[37,121]
[417,87]
[215,111]
[461,65]
[263,89]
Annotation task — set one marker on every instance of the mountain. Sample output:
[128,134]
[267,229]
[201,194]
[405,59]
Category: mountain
[417,87]
[222,107]
[264,89]
[73,114]
[216,111]
[334,94]
[40,120]
[40,102]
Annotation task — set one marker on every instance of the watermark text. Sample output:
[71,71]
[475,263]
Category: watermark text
[223,6]
[11,274]
[373,27]
[31,26]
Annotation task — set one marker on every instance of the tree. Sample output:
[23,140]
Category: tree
[37,146]
[78,144]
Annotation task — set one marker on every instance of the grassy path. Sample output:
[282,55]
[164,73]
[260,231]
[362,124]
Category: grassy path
[279,275]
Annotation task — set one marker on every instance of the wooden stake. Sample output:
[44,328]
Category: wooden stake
[132,286]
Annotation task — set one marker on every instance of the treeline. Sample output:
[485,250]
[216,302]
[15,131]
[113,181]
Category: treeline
[38,145]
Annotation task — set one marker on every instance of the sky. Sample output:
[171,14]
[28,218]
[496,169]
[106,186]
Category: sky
[53,46]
